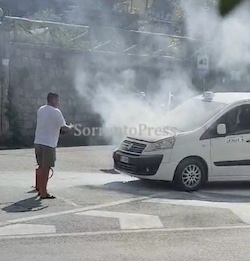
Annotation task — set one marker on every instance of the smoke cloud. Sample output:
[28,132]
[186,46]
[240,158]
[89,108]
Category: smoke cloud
[229,37]
[115,93]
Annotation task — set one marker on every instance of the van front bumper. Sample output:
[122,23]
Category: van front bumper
[143,165]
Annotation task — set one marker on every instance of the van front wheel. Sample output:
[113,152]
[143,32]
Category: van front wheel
[190,175]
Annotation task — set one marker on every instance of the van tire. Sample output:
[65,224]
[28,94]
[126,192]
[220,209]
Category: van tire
[190,170]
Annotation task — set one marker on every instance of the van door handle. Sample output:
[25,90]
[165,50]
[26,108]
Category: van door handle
[248,141]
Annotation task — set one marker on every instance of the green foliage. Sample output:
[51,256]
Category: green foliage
[181,14]
[209,3]
[227,6]
[45,15]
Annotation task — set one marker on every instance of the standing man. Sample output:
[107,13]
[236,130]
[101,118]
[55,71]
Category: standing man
[50,123]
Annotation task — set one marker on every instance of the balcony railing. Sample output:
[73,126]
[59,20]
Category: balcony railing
[101,39]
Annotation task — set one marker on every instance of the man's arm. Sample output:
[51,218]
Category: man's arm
[64,128]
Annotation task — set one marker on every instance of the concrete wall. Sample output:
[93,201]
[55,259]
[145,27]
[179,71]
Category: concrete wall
[34,72]
[4,77]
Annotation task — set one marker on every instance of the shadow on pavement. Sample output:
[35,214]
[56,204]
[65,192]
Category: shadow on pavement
[234,192]
[26,205]
[241,185]
[140,187]
[109,171]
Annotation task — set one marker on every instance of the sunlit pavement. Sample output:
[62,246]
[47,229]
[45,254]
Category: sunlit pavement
[102,215]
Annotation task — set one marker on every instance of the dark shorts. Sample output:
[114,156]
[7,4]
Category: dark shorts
[45,156]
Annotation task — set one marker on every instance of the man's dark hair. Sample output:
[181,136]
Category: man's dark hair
[51,96]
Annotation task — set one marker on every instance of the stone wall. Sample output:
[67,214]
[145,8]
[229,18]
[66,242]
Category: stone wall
[34,72]
[4,77]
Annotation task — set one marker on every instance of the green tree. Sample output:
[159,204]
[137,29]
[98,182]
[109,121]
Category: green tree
[227,6]
[96,13]
[45,15]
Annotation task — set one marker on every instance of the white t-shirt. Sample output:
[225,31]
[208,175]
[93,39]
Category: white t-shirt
[49,122]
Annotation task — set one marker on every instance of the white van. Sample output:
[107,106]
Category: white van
[208,139]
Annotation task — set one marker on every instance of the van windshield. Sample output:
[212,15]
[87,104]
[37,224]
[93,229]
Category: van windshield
[192,114]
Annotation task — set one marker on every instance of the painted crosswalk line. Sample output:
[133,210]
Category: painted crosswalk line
[128,220]
[242,210]
[26,229]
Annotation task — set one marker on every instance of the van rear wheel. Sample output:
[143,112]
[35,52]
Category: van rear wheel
[190,175]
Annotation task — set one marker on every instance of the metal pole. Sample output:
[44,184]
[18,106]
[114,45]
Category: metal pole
[2,70]
[5,73]
[131,7]
[1,75]
[1,15]
[204,83]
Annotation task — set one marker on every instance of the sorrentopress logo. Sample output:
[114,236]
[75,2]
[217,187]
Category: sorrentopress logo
[141,129]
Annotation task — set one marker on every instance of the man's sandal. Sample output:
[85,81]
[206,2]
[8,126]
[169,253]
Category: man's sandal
[47,197]
[34,189]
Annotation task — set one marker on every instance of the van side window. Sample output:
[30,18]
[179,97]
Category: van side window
[244,120]
[237,122]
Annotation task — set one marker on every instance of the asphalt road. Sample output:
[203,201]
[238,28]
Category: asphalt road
[102,215]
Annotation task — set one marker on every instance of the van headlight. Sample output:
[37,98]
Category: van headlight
[161,145]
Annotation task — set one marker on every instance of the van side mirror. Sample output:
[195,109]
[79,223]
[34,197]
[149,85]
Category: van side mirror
[222,129]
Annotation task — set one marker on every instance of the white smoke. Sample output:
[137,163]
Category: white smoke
[114,96]
[229,38]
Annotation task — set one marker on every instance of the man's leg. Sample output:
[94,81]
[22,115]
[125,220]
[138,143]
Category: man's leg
[44,176]
[38,178]
[48,162]
[39,159]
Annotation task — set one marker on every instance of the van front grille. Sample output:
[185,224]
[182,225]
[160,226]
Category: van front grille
[131,168]
[133,147]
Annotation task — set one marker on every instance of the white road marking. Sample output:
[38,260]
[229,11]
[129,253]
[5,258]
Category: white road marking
[26,229]
[120,232]
[67,201]
[194,203]
[128,220]
[72,211]
[227,192]
[242,210]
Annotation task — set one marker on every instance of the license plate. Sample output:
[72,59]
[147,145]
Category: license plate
[124,159]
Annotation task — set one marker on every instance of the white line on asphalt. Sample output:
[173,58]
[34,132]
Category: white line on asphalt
[242,210]
[26,229]
[227,192]
[194,203]
[72,211]
[120,232]
[67,201]
[128,220]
